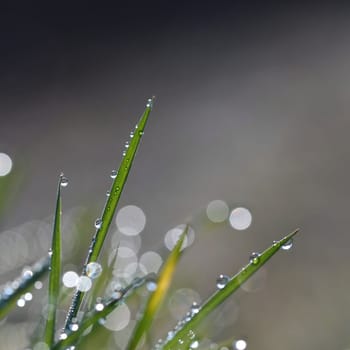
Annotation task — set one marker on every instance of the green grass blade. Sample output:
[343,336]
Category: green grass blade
[94,316]
[55,271]
[181,335]
[111,203]
[12,291]
[156,298]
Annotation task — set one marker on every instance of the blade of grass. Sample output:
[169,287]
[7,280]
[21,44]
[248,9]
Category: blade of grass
[55,271]
[111,205]
[181,335]
[156,298]
[13,290]
[70,338]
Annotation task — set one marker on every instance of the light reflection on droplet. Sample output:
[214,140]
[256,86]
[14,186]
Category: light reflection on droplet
[28,296]
[173,235]
[118,319]
[240,344]
[93,270]
[21,302]
[70,279]
[38,285]
[5,164]
[130,220]
[287,245]
[240,218]
[152,261]
[217,211]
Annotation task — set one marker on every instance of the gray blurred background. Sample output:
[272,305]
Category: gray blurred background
[252,107]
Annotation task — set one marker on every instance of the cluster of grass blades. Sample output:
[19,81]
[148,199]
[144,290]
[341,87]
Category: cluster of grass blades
[182,336]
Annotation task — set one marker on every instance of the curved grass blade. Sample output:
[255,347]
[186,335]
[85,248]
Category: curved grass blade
[181,334]
[156,298]
[70,338]
[55,271]
[111,204]
[12,291]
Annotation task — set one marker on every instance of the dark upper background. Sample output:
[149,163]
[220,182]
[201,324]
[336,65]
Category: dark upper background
[252,107]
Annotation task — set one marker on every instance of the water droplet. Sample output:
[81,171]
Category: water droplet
[254,258]
[131,134]
[99,307]
[84,283]
[114,174]
[195,308]
[50,253]
[73,327]
[63,336]
[21,302]
[151,286]
[108,193]
[240,344]
[149,103]
[194,345]
[127,144]
[93,270]
[38,285]
[275,243]
[141,132]
[221,281]
[28,296]
[124,153]
[64,181]
[98,223]
[287,245]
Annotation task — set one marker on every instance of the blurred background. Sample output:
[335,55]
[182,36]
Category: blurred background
[252,110]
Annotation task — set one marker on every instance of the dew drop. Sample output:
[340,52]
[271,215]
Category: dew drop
[93,270]
[151,286]
[99,307]
[64,181]
[221,281]
[21,302]
[108,193]
[63,336]
[73,327]
[275,243]
[287,245]
[194,345]
[254,258]
[114,174]
[141,132]
[127,144]
[124,153]
[98,223]
[240,344]
[131,134]
[195,308]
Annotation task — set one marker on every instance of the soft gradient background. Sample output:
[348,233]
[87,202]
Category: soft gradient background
[252,108]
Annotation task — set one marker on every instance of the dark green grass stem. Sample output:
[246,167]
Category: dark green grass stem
[111,205]
[55,271]
[221,295]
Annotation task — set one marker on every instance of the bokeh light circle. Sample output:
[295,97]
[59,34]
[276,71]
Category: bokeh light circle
[130,220]
[217,211]
[240,218]
[5,164]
